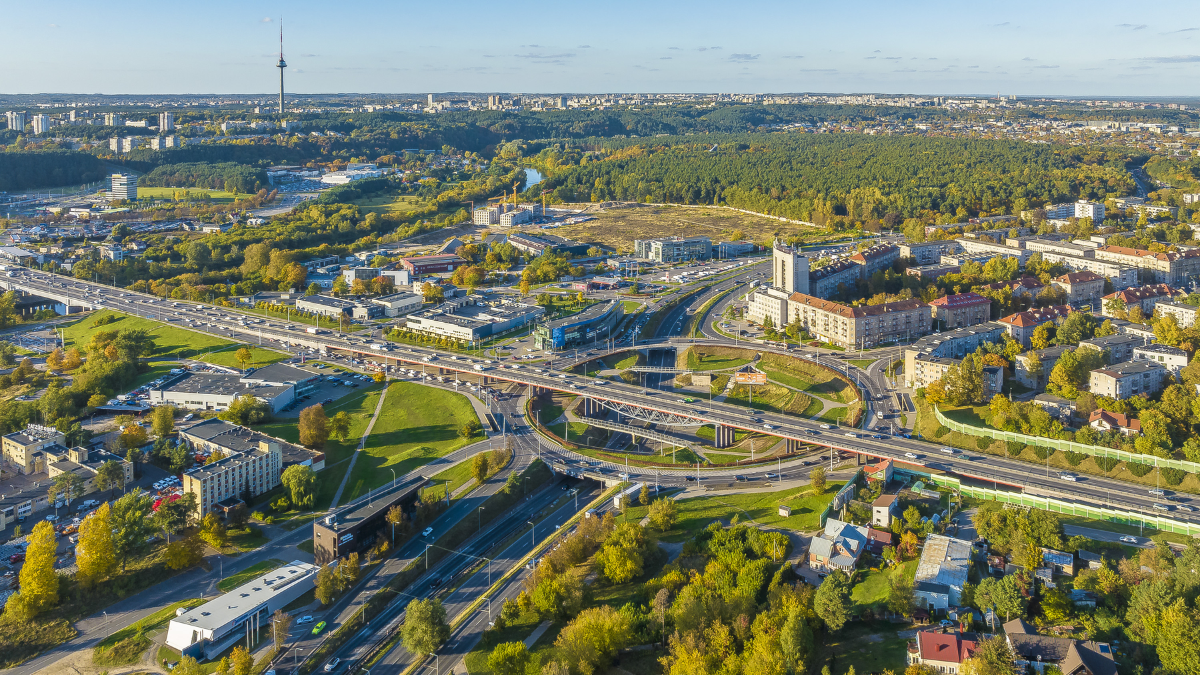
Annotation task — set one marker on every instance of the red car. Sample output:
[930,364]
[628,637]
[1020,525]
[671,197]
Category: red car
[16,558]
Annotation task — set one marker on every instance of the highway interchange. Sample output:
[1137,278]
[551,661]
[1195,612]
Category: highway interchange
[666,404]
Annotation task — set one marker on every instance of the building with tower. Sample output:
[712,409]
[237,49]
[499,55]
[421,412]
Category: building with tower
[281,65]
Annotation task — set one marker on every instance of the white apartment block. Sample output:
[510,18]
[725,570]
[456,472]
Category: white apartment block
[1173,359]
[1121,276]
[929,252]
[166,121]
[769,302]
[974,246]
[1123,380]
[41,124]
[1185,315]
[1165,268]
[16,120]
[486,216]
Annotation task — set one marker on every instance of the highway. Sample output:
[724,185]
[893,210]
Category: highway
[661,407]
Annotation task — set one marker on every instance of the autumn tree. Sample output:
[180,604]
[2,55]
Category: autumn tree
[832,600]
[314,428]
[162,420]
[817,479]
[300,481]
[39,581]
[425,627]
[509,658]
[663,514]
[241,661]
[339,426]
[479,467]
[243,356]
[95,553]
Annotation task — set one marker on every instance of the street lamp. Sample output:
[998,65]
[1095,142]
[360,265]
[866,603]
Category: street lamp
[479,517]
[393,477]
[532,537]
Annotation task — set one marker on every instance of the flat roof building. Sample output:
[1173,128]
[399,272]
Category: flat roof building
[25,449]
[593,324]
[432,264]
[942,571]
[217,391]
[673,249]
[864,326]
[206,631]
[355,527]
[470,319]
[324,305]
[1123,380]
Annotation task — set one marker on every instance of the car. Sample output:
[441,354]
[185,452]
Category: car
[851,434]
[1129,540]
[826,426]
[1185,507]
[435,582]
[910,455]
[690,479]
[1157,492]
[945,450]
[811,432]
[740,478]
[16,558]
[768,426]
[332,665]
[304,620]
[318,628]
[772,475]
[427,531]
[1069,476]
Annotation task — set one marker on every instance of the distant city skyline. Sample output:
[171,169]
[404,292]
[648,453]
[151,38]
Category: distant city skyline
[1101,49]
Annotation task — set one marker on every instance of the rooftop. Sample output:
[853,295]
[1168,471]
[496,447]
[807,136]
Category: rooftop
[944,560]
[1129,368]
[279,373]
[960,300]
[1141,293]
[1160,349]
[240,439]
[856,312]
[336,303]
[1036,317]
[1079,277]
[590,313]
[220,384]
[215,614]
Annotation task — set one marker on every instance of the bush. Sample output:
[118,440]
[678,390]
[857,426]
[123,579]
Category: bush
[1106,464]
[1172,476]
[1013,448]
[257,515]
[983,442]
[1138,469]
[940,431]
[1074,458]
[1041,453]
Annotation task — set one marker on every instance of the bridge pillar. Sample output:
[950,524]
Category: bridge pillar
[723,438]
[792,445]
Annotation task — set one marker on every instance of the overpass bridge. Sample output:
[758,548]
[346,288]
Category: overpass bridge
[657,406]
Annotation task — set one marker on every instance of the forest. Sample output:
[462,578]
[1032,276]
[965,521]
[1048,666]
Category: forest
[25,170]
[815,177]
[228,176]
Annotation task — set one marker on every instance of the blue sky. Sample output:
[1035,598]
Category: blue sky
[1095,48]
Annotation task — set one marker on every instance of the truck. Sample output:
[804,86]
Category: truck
[312,330]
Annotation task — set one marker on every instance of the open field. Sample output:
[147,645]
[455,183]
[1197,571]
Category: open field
[128,644]
[169,340]
[713,358]
[259,357]
[619,227]
[808,377]
[763,507]
[386,204]
[868,646]
[217,196]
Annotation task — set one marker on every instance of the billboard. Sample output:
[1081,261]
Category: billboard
[749,378]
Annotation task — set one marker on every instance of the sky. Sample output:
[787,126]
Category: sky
[1095,48]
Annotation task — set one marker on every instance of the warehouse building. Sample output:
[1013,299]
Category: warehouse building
[324,305]
[470,318]
[673,249]
[217,391]
[432,264]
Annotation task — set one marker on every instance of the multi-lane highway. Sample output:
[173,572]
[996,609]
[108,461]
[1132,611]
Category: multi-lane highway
[657,406]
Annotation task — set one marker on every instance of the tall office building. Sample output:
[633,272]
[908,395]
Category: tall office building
[166,121]
[430,99]
[16,120]
[790,268]
[41,124]
[124,186]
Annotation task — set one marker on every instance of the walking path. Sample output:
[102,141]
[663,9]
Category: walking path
[362,443]
[537,633]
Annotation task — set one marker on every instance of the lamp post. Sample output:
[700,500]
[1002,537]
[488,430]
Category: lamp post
[532,537]
[393,477]
[479,517]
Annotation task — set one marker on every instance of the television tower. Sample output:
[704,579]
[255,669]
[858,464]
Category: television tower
[281,66]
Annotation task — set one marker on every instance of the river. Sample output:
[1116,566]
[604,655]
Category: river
[532,177]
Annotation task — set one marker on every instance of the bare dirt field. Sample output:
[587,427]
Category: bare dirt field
[618,227]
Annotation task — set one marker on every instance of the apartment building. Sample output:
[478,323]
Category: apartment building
[789,269]
[1122,380]
[932,272]
[1080,209]
[1036,379]
[673,249]
[1185,315]
[251,465]
[1122,276]
[1061,247]
[770,302]
[977,247]
[1022,324]
[1173,359]
[923,369]
[26,450]
[1024,287]
[827,281]
[1082,288]
[1145,297]
[960,310]
[124,186]
[876,258]
[952,345]
[929,252]
[1164,268]
[1119,347]
[865,326]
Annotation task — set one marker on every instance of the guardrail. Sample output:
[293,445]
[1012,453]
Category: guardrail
[1066,446]
[1068,507]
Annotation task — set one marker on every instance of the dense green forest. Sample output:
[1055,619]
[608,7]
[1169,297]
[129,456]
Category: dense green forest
[1180,173]
[228,176]
[25,170]
[818,176]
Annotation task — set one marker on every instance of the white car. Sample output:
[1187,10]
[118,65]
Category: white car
[332,665]
[948,451]
[1069,476]
[1129,540]
[768,426]
[910,455]
[428,531]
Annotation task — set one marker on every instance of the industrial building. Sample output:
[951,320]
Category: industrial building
[217,391]
[398,304]
[324,305]
[593,324]
[942,572]
[206,631]
[432,264]
[673,249]
[26,449]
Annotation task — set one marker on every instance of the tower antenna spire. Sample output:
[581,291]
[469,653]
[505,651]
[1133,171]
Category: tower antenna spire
[282,64]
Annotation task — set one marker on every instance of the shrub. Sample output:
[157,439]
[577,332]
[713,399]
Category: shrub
[257,515]
[1013,448]
[1074,458]
[1041,453]
[1106,464]
[1172,476]
[1138,469]
[940,431]
[983,442]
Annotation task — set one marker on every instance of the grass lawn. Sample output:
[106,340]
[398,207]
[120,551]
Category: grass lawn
[234,580]
[722,458]
[217,196]
[763,507]
[127,645]
[170,341]
[873,590]
[241,541]
[716,358]
[622,361]
[773,398]
[417,424]
[517,631]
[386,204]
[360,405]
[869,646]
[807,376]
[306,546]
[834,415]
[862,363]
[157,370]
[259,357]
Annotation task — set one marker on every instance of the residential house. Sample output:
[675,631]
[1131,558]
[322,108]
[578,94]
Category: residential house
[839,546]
[1103,420]
[1144,297]
[1061,562]
[1059,408]
[878,539]
[1122,380]
[883,509]
[1119,346]
[1094,561]
[1072,657]
[1185,314]
[854,327]
[944,652]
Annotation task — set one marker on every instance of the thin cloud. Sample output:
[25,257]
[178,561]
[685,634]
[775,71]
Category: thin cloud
[584,47]
[265,19]
[675,48]
[1001,25]
[1133,26]
[1046,67]
[893,58]
[665,58]
[1185,58]
[54,25]
[1181,30]
[1028,59]
[799,56]
[742,58]
[868,58]
[564,55]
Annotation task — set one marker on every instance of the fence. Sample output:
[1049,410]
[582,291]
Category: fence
[1067,446]
[1067,507]
[844,495]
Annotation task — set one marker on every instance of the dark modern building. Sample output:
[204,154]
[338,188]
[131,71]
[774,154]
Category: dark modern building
[591,325]
[355,528]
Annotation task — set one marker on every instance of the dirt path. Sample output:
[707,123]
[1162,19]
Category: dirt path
[362,443]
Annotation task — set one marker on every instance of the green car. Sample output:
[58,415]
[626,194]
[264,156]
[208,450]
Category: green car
[318,628]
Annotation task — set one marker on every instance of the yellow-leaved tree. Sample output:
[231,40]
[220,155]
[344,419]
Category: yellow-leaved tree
[39,581]
[95,554]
